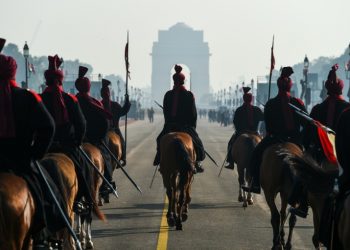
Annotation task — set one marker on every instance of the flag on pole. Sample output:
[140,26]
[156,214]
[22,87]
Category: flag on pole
[272,56]
[126,56]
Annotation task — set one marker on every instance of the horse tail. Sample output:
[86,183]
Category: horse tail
[182,155]
[98,212]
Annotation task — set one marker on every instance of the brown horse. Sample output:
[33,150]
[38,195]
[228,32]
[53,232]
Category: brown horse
[318,180]
[18,207]
[176,166]
[276,177]
[85,220]
[242,151]
[17,210]
[70,184]
[115,145]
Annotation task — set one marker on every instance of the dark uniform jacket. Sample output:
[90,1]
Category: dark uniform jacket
[342,140]
[34,129]
[247,118]
[97,123]
[74,130]
[182,112]
[277,121]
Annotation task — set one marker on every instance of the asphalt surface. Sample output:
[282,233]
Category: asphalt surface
[216,219]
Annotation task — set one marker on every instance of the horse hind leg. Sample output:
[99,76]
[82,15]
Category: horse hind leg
[89,243]
[241,181]
[275,221]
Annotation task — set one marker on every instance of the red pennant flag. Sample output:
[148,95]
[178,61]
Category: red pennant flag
[327,146]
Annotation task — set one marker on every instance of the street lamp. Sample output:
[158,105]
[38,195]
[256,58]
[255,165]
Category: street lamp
[308,90]
[26,55]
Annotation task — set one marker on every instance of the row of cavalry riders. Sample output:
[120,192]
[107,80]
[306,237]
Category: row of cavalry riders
[50,142]
[303,157]
[57,156]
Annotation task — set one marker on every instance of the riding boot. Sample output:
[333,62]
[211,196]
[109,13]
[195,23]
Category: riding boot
[198,167]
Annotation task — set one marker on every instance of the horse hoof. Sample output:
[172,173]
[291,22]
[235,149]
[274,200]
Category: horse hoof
[250,202]
[179,227]
[184,217]
[89,245]
[288,246]
[171,221]
[240,198]
[245,204]
[100,203]
[277,247]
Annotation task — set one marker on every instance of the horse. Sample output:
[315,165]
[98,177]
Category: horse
[18,206]
[241,151]
[318,178]
[70,188]
[276,177]
[176,167]
[114,145]
[17,210]
[85,220]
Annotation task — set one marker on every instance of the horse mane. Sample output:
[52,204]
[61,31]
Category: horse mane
[316,178]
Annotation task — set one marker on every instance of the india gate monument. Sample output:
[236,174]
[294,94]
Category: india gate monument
[182,45]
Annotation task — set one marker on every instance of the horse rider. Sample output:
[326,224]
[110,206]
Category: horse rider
[97,124]
[282,125]
[180,114]
[246,119]
[26,132]
[70,130]
[117,111]
[327,113]
[342,139]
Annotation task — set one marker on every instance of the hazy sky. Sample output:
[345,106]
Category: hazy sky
[239,33]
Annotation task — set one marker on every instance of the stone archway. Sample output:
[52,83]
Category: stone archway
[180,45]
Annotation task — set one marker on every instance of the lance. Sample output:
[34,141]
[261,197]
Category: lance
[272,66]
[307,117]
[222,166]
[211,158]
[121,167]
[62,213]
[154,175]
[98,172]
[126,57]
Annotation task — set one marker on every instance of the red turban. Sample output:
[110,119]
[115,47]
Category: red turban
[8,68]
[178,77]
[53,73]
[247,97]
[83,83]
[334,85]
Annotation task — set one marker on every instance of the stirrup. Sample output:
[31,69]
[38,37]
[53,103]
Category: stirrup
[81,208]
[56,244]
[298,212]
[198,168]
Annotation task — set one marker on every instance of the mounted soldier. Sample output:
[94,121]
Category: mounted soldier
[26,132]
[97,123]
[327,113]
[180,115]
[117,111]
[70,130]
[282,124]
[246,119]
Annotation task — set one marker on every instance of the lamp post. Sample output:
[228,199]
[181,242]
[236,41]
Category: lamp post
[308,90]
[252,84]
[26,55]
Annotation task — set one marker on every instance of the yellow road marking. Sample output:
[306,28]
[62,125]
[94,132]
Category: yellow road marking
[163,231]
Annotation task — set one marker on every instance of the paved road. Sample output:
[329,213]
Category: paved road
[216,220]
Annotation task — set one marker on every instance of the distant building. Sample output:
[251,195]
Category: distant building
[183,45]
